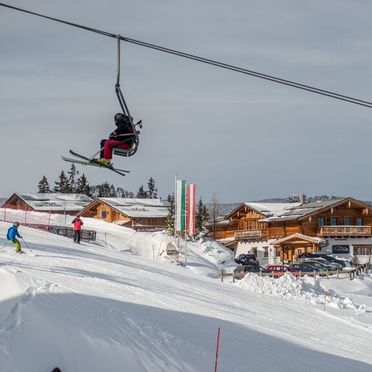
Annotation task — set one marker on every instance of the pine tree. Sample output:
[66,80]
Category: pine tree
[121,193]
[201,218]
[113,191]
[171,214]
[152,190]
[72,178]
[82,186]
[44,185]
[104,190]
[142,194]
[62,185]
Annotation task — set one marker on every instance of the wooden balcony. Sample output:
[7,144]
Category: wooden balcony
[341,231]
[249,234]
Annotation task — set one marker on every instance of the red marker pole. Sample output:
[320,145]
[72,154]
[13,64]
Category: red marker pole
[217,349]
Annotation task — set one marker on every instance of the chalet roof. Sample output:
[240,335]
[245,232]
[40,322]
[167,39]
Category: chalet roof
[305,210]
[222,209]
[134,207]
[272,209]
[266,209]
[43,202]
[299,236]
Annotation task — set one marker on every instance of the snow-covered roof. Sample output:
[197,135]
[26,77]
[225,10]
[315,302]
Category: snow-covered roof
[266,209]
[55,201]
[302,210]
[134,207]
[272,209]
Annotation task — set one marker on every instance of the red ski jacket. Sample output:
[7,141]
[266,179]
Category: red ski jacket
[77,224]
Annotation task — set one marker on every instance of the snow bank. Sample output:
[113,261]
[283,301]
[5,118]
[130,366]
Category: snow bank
[289,287]
[216,252]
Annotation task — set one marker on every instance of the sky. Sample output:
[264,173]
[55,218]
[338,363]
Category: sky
[237,137]
[121,302]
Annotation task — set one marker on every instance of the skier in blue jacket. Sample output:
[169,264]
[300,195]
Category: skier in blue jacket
[13,234]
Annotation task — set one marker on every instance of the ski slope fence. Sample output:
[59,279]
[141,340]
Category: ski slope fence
[59,224]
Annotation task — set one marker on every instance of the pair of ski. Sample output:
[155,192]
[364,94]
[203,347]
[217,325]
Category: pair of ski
[84,160]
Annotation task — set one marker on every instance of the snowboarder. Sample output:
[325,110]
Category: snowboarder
[13,234]
[77,222]
[119,138]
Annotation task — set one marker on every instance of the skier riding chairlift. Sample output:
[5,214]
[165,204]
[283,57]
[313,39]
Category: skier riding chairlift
[124,140]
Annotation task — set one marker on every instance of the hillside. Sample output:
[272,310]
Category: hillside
[120,304]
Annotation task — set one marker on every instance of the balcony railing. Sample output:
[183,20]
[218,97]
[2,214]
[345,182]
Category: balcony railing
[345,231]
[249,234]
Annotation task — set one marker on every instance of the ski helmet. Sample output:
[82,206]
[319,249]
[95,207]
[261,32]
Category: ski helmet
[119,116]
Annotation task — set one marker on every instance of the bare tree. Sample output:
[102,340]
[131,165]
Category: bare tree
[214,213]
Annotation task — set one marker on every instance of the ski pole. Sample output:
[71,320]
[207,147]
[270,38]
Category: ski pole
[27,245]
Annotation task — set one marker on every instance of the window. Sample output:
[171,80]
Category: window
[321,221]
[358,221]
[277,253]
[266,252]
[333,221]
[103,215]
[347,221]
[363,250]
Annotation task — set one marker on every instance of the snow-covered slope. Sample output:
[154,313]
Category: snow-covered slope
[121,305]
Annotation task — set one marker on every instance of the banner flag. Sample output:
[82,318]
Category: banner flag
[180,206]
[190,212]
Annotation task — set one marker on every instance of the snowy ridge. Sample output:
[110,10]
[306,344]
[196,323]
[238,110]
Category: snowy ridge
[121,304]
[299,289]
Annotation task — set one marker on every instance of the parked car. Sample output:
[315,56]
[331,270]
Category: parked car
[324,256]
[277,270]
[304,267]
[323,265]
[333,264]
[247,259]
[320,267]
[241,271]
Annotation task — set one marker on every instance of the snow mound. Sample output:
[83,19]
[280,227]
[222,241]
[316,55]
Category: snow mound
[218,253]
[305,289]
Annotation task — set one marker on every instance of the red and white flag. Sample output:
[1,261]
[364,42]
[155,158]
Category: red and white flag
[190,210]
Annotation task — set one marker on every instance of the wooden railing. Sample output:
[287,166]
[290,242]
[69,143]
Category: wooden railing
[345,231]
[249,234]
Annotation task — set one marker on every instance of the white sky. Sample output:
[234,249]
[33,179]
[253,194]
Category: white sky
[238,137]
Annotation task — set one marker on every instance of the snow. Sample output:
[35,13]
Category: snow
[133,207]
[304,289]
[121,304]
[56,201]
[272,209]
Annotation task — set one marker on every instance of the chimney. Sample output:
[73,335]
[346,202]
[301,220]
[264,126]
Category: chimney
[302,198]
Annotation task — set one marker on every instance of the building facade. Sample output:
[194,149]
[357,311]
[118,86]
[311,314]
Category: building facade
[279,232]
[138,214]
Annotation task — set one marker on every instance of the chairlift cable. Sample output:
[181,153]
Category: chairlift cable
[206,61]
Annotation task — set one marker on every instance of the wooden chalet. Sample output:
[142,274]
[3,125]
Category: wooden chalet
[58,203]
[138,214]
[281,231]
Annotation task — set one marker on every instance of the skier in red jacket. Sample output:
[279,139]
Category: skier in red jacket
[77,222]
